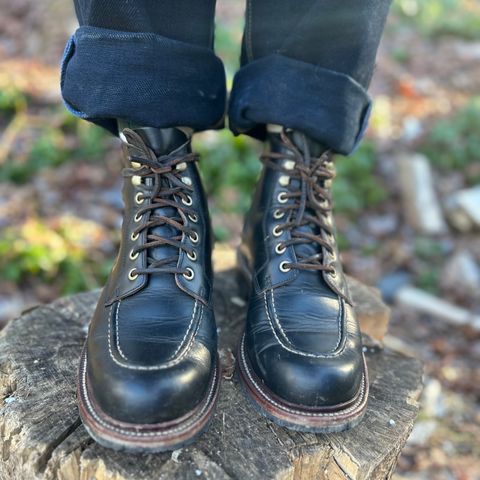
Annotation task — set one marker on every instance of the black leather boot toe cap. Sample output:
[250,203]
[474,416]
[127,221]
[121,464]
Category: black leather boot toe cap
[307,381]
[305,367]
[150,394]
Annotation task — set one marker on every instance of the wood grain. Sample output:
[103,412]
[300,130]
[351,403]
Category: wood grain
[42,436]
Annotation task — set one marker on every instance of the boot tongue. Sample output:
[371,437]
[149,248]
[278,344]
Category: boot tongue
[302,142]
[162,140]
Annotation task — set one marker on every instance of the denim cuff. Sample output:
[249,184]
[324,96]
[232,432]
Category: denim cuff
[328,106]
[141,78]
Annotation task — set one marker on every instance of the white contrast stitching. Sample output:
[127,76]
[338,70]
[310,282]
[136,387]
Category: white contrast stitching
[277,320]
[187,332]
[161,366]
[144,434]
[299,412]
[294,350]
[117,334]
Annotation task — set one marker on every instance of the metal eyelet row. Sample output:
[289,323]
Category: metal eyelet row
[194,237]
[139,199]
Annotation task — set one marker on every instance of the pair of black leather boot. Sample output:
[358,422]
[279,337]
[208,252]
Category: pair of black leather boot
[149,376]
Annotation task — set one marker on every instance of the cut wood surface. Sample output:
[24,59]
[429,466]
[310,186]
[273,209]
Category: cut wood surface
[43,438]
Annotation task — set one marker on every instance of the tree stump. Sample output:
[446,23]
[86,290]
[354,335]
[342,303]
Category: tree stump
[43,438]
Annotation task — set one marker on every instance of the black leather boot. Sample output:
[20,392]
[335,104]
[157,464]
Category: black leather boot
[301,358]
[149,373]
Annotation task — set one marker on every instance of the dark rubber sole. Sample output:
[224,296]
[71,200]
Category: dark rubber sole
[139,438]
[302,419]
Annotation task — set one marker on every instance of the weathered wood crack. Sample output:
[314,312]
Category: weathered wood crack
[42,437]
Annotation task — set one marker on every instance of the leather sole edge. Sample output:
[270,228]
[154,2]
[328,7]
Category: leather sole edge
[295,418]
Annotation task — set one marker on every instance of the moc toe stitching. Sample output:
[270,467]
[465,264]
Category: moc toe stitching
[288,345]
[174,359]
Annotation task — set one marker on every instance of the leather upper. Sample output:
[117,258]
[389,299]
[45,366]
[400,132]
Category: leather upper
[302,338]
[151,347]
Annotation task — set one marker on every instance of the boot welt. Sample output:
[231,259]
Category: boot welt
[331,419]
[151,438]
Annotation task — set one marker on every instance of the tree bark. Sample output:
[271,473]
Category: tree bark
[43,438]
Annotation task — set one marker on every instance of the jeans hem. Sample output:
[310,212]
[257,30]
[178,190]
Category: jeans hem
[142,78]
[328,106]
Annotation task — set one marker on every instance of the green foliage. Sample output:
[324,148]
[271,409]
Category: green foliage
[342,242]
[428,249]
[54,145]
[454,143]
[428,280]
[401,55]
[356,187]
[11,100]
[227,48]
[55,254]
[429,254]
[229,168]
[442,17]
[221,233]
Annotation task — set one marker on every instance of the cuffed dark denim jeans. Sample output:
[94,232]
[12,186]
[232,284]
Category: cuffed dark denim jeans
[305,64]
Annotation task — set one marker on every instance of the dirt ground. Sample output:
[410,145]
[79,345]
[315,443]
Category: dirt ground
[419,80]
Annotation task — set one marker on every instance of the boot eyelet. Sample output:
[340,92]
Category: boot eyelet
[187,181]
[134,236]
[283,267]
[278,214]
[189,274]
[133,256]
[279,249]
[137,217]
[193,256]
[132,275]
[277,231]
[194,237]
[187,201]
[139,198]
[282,197]
[193,217]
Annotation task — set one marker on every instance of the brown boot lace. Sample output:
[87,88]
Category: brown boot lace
[161,182]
